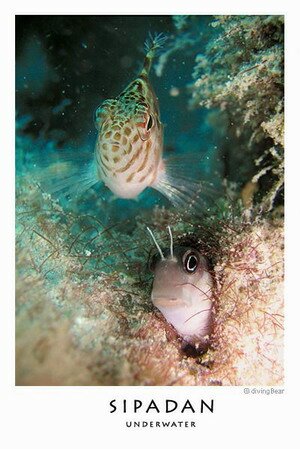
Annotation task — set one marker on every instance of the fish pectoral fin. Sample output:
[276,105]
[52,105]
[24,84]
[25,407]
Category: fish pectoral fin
[66,174]
[190,195]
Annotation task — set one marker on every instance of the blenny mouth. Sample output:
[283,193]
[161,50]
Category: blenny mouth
[166,301]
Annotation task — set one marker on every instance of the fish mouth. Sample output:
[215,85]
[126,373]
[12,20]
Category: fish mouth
[166,301]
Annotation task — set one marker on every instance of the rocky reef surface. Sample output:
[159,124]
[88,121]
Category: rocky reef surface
[84,314]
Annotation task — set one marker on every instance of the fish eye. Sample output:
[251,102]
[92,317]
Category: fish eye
[150,122]
[144,125]
[190,262]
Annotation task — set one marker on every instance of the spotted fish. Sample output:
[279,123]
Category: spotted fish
[128,152]
[129,145]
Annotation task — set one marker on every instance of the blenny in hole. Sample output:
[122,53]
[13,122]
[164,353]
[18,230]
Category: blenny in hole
[182,290]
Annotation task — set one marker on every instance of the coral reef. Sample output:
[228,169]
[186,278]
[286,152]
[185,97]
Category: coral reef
[241,73]
[84,315]
[239,77]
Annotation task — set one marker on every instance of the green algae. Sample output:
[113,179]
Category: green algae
[239,78]
[105,317]
[241,73]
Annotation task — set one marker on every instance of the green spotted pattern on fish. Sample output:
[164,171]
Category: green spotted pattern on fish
[128,156]
[130,139]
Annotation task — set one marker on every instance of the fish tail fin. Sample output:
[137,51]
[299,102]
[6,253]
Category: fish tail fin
[190,195]
[152,44]
[65,175]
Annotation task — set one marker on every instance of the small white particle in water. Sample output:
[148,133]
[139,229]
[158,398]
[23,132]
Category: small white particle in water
[174,91]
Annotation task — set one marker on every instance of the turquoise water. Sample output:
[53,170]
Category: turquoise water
[67,66]
[211,78]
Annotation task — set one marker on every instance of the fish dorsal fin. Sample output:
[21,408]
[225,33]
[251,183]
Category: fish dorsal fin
[152,44]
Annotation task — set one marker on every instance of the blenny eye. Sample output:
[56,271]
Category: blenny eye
[150,123]
[190,262]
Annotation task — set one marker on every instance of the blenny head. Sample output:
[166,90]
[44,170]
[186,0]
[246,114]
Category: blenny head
[182,290]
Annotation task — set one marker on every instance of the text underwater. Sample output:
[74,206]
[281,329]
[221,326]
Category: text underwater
[151,407]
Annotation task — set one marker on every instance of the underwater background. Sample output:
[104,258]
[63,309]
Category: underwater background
[84,314]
